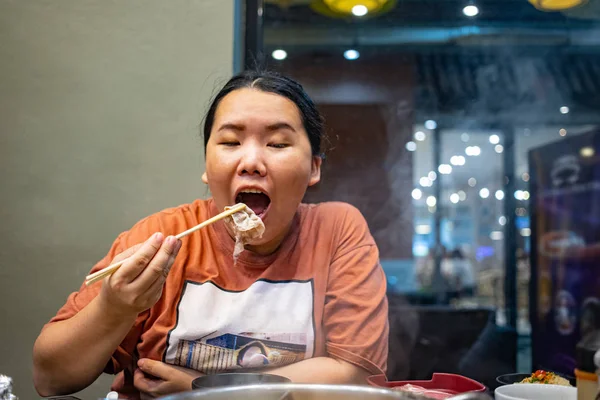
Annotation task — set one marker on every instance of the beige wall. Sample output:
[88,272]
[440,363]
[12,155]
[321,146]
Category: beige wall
[100,107]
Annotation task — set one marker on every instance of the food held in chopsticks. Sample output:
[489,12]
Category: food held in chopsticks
[246,226]
[545,377]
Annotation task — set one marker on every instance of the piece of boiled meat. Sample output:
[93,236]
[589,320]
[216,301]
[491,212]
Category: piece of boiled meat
[428,393]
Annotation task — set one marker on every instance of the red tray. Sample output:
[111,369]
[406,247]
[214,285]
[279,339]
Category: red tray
[450,383]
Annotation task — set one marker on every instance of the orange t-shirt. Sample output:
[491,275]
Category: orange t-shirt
[322,293]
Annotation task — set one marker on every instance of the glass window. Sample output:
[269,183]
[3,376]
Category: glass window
[440,114]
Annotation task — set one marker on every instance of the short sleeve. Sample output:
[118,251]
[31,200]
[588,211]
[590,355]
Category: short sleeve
[356,310]
[76,301]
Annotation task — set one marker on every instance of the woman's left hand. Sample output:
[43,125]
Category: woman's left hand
[154,378]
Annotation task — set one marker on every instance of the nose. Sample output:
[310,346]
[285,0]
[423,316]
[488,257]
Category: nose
[252,161]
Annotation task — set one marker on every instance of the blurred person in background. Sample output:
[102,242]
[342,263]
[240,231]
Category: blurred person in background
[458,274]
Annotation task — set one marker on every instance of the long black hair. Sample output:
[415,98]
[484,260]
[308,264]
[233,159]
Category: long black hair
[272,82]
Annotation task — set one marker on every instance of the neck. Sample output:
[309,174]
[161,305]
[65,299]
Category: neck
[271,246]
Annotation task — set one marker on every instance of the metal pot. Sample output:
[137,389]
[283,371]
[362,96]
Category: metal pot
[306,392]
[236,379]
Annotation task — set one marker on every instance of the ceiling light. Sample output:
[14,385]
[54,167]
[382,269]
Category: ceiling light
[471,10]
[472,182]
[423,229]
[454,198]
[360,10]
[499,195]
[411,146]
[564,110]
[556,5]
[497,235]
[432,209]
[464,137]
[587,152]
[432,176]
[562,132]
[525,177]
[457,160]
[351,54]
[484,193]
[420,136]
[494,139]
[462,196]
[445,169]
[499,148]
[526,232]
[345,8]
[519,195]
[425,182]
[526,195]
[473,151]
[430,124]
[279,54]
[431,201]
[521,212]
[417,194]
[502,220]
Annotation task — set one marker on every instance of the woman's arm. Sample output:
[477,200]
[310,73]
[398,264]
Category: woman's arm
[324,370]
[355,314]
[70,354]
[155,378]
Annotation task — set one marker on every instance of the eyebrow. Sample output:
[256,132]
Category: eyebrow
[240,127]
[279,126]
[231,127]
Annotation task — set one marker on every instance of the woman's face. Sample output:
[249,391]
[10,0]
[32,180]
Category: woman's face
[259,154]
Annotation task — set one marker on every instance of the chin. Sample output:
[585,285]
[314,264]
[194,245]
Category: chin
[265,240]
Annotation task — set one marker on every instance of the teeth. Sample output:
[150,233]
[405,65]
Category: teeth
[250,191]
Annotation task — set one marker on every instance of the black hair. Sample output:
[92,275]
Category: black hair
[272,82]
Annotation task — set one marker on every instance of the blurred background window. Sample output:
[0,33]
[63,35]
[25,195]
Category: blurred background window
[445,117]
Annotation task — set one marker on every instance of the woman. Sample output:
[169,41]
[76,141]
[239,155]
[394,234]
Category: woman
[306,301]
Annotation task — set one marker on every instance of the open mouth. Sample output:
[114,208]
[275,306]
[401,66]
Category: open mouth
[255,199]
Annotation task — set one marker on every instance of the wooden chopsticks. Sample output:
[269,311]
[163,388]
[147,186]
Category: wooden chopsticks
[103,273]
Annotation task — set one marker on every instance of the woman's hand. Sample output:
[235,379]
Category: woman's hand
[154,378]
[138,284]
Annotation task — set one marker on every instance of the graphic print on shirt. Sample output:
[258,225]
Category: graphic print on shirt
[269,324]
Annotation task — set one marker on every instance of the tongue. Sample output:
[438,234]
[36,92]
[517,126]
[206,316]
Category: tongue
[258,202]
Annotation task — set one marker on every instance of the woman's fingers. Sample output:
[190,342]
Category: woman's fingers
[126,254]
[139,260]
[148,386]
[155,378]
[143,383]
[137,285]
[159,266]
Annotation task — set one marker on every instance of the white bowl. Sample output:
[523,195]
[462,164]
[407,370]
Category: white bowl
[527,391]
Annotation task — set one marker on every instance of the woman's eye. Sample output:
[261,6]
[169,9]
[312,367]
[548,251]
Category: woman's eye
[230,143]
[278,145]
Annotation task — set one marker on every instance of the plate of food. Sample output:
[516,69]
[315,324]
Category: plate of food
[539,376]
[519,391]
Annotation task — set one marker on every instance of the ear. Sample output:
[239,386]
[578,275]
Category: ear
[315,170]
[205,178]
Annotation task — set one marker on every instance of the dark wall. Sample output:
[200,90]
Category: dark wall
[368,110]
